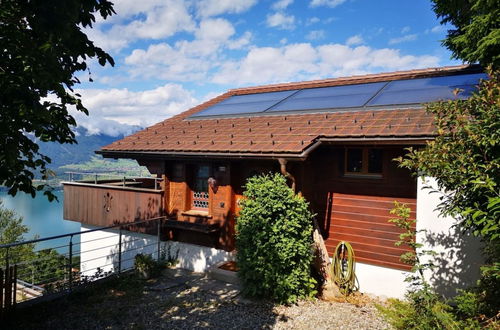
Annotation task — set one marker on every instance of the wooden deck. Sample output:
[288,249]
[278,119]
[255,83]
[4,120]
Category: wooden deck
[109,203]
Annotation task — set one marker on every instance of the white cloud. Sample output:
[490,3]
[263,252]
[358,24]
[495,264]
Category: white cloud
[354,40]
[304,62]
[112,111]
[187,60]
[281,4]
[312,20]
[328,3]
[315,35]
[150,19]
[405,29]
[207,8]
[281,21]
[405,38]
[436,29]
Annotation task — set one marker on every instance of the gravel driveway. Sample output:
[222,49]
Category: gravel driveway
[184,300]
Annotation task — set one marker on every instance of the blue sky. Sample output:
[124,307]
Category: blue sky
[173,54]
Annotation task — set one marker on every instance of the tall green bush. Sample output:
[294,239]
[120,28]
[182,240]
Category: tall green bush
[273,240]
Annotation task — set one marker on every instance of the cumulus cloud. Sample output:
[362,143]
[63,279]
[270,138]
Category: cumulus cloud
[328,3]
[281,4]
[113,111]
[207,8]
[150,19]
[354,40]
[281,20]
[304,62]
[405,38]
[187,60]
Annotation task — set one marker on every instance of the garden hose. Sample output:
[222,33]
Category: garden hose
[343,268]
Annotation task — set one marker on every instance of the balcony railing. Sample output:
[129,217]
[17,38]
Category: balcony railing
[115,180]
[29,274]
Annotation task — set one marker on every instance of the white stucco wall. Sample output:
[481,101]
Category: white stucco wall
[458,256]
[99,249]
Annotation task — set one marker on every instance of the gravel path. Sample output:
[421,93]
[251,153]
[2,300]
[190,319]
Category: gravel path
[183,300]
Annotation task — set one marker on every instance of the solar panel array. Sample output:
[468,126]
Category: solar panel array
[358,96]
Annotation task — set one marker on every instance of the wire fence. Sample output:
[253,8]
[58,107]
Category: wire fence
[74,259]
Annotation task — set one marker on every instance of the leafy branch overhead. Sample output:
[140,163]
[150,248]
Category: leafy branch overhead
[43,48]
[475,34]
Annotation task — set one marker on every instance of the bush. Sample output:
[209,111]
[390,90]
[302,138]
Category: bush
[273,240]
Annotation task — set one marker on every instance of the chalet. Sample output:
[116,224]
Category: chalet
[336,140]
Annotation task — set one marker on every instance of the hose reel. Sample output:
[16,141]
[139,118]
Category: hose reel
[343,268]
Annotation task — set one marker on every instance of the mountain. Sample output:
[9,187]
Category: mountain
[83,151]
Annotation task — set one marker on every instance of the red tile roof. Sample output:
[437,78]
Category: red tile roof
[283,133]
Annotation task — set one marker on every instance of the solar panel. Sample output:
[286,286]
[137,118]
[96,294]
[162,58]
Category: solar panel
[329,97]
[398,92]
[243,104]
[427,89]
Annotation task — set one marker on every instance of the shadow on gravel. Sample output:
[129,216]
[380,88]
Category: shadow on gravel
[176,300]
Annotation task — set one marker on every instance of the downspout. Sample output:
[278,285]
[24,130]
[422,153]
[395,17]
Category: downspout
[287,175]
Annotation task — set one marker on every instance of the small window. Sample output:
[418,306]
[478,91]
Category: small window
[363,161]
[200,187]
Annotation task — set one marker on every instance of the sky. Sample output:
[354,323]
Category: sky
[174,54]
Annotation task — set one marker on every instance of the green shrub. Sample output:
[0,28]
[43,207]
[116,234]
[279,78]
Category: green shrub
[273,240]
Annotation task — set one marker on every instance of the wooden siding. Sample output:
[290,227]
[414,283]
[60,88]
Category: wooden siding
[363,221]
[105,206]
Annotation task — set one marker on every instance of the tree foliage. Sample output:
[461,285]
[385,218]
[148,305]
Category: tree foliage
[476,33]
[465,158]
[274,240]
[42,48]
[13,230]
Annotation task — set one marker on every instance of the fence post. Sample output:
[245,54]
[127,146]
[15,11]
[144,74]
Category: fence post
[70,262]
[95,180]
[158,234]
[120,251]
[124,180]
[1,291]
[14,286]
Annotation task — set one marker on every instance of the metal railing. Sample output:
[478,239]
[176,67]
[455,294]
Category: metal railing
[111,178]
[76,259]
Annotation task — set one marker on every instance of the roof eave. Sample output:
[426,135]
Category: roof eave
[135,154]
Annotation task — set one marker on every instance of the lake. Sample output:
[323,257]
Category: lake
[43,218]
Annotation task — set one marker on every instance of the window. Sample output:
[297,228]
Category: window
[200,187]
[363,161]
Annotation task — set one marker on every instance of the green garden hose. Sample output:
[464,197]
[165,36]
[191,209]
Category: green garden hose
[343,268]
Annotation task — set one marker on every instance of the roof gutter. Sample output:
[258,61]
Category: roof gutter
[289,156]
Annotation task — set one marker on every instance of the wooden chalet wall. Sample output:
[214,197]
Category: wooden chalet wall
[356,209]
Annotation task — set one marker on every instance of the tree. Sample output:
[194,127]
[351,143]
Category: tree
[476,33]
[42,48]
[274,240]
[465,158]
[13,230]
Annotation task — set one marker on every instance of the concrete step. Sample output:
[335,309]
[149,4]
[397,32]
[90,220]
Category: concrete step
[223,275]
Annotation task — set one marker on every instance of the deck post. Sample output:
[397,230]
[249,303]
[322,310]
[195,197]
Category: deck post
[120,251]
[70,262]
[158,238]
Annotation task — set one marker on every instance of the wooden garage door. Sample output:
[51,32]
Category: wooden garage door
[363,222]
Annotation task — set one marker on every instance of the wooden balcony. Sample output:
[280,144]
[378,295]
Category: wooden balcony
[108,202]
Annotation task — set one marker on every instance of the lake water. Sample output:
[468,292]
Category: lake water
[43,218]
